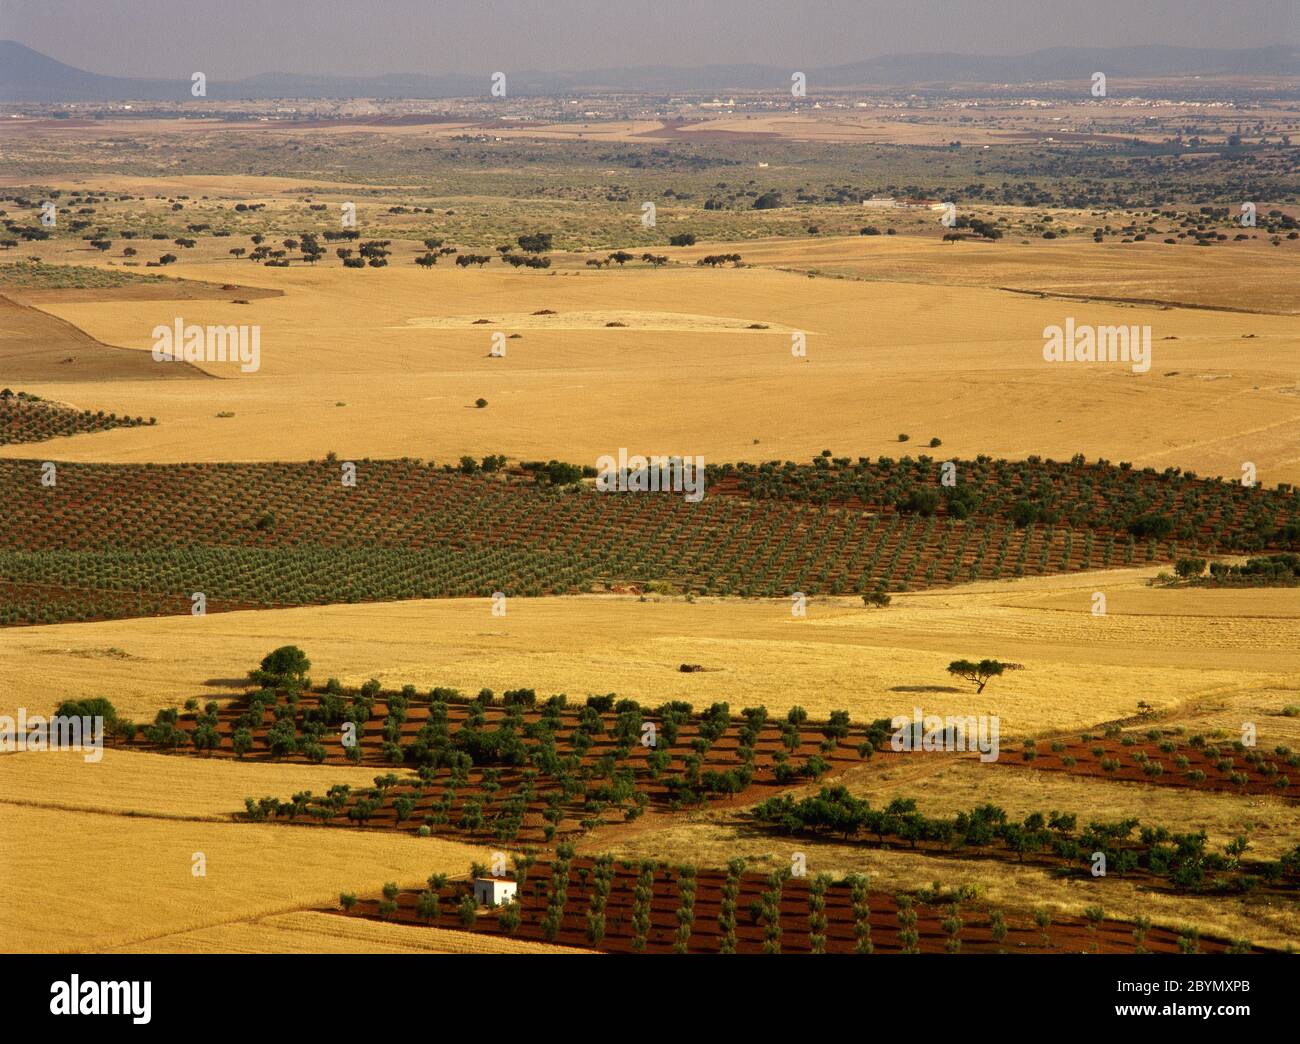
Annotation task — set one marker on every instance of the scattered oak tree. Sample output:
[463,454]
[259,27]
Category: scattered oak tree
[980,674]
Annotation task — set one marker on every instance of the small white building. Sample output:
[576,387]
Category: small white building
[494,891]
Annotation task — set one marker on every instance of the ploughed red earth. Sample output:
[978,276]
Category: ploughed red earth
[974,925]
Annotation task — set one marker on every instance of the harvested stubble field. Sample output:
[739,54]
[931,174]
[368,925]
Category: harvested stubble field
[642,908]
[133,782]
[960,363]
[311,931]
[145,887]
[1231,653]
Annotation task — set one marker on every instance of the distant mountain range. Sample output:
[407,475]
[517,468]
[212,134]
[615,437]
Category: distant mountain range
[28,75]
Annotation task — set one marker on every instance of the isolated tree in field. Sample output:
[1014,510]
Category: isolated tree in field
[285,666]
[980,674]
[347,900]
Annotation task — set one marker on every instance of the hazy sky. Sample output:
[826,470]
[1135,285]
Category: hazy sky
[234,38]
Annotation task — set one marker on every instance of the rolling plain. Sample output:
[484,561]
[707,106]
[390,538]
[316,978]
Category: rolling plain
[205,477]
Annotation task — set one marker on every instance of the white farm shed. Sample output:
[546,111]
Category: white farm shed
[494,891]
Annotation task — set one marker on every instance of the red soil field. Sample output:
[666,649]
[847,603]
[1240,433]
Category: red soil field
[520,795]
[1063,935]
[1266,771]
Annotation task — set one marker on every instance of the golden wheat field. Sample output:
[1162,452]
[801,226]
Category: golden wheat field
[137,783]
[390,362]
[140,869]
[1080,669]
[309,931]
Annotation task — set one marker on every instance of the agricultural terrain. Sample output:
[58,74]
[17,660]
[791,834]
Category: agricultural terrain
[364,627]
